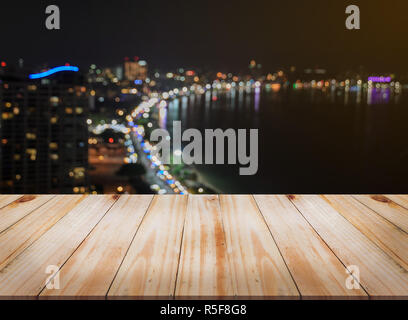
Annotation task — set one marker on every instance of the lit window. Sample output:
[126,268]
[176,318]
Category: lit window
[31,136]
[32,153]
[54,120]
[79,110]
[7,115]
[54,156]
[78,173]
[54,101]
[53,145]
[68,110]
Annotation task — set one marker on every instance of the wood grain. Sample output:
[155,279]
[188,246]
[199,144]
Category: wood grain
[383,233]
[400,199]
[380,275]
[257,267]
[204,267]
[7,199]
[387,208]
[26,275]
[315,269]
[91,269]
[30,228]
[19,208]
[150,266]
[203,246]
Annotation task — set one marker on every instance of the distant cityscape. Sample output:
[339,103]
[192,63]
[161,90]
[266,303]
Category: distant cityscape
[71,130]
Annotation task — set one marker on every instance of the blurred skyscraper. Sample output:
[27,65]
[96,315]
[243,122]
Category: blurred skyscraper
[43,132]
[135,70]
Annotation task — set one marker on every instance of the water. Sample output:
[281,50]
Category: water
[310,141]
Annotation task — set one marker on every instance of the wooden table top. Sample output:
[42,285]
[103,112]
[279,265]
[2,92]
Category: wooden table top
[176,247]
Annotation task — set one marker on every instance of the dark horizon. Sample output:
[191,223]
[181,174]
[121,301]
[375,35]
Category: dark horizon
[217,35]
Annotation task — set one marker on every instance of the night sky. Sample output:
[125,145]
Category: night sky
[215,34]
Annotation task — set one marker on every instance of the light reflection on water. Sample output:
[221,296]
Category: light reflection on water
[311,140]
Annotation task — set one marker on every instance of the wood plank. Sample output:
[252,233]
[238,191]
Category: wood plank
[383,233]
[387,208]
[316,270]
[92,268]
[7,199]
[26,231]
[204,267]
[19,208]
[379,274]
[257,267]
[26,275]
[150,266]
[399,199]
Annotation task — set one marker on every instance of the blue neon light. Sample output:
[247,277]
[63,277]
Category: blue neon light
[52,71]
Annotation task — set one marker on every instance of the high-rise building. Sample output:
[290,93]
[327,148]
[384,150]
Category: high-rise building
[135,70]
[43,132]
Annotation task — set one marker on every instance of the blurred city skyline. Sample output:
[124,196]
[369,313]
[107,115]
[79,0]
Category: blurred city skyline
[212,34]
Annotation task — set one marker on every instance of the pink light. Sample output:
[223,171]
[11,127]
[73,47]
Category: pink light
[380,79]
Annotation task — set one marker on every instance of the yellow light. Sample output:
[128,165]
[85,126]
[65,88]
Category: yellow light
[120,189]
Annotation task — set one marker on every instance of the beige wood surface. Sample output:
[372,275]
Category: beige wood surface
[27,275]
[257,267]
[150,266]
[6,199]
[204,267]
[22,234]
[383,233]
[91,269]
[387,208]
[19,208]
[314,267]
[203,246]
[400,199]
[379,274]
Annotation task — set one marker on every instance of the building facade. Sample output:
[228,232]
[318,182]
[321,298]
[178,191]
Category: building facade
[135,70]
[43,134]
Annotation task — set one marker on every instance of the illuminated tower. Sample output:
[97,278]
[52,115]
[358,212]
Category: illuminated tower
[135,70]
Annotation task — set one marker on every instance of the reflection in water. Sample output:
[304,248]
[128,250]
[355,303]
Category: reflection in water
[240,98]
[163,118]
[308,139]
[378,96]
[257,98]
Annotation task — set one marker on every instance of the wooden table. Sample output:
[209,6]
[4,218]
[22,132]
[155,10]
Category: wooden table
[261,246]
